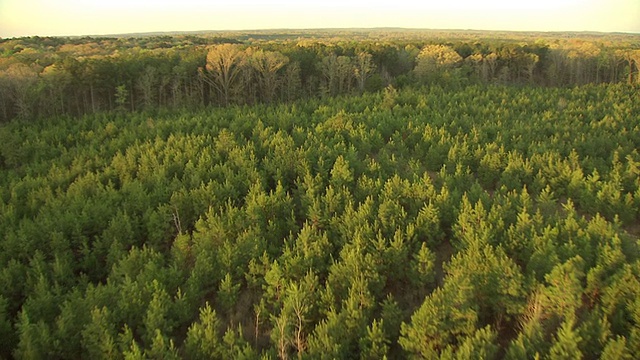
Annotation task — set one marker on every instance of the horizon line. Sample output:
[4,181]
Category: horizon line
[284,29]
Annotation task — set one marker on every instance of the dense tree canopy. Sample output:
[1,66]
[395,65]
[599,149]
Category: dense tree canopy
[41,77]
[443,220]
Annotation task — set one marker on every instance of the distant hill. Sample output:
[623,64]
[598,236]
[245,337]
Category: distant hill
[400,32]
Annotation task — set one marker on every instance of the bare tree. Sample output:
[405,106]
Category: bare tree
[328,68]
[282,334]
[55,81]
[21,83]
[477,64]
[337,72]
[345,74]
[364,66]
[434,59]
[632,58]
[582,61]
[557,68]
[147,84]
[490,64]
[531,63]
[266,65]
[224,64]
[292,82]
[4,96]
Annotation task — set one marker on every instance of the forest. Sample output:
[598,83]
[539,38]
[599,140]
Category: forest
[43,77]
[419,195]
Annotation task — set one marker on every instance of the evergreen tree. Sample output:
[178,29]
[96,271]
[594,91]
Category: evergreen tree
[480,346]
[616,349]
[203,341]
[375,344]
[566,344]
[99,336]
[35,340]
[445,315]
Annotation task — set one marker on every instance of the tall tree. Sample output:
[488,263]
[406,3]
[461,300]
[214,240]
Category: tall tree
[434,60]
[531,61]
[292,83]
[224,65]
[337,72]
[266,65]
[147,84]
[22,85]
[632,59]
[363,68]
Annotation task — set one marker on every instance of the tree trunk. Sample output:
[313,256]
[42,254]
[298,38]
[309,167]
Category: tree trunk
[93,100]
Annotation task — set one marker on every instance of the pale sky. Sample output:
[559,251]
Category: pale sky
[100,17]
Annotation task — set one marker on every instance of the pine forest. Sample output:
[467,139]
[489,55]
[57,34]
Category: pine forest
[320,195]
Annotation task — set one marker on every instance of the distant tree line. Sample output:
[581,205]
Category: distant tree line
[42,77]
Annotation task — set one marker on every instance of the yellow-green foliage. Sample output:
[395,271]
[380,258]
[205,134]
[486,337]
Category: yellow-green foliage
[440,223]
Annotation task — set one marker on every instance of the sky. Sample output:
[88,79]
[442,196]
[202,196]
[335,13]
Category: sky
[110,17]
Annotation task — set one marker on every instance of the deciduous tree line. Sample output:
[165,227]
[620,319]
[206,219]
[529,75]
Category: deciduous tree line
[42,77]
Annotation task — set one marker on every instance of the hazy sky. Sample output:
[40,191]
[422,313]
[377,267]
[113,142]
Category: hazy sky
[96,17]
